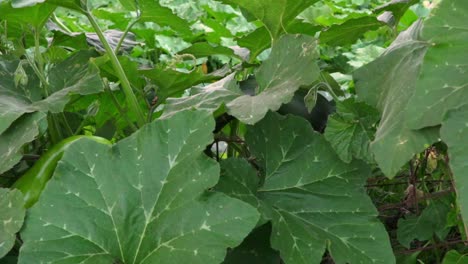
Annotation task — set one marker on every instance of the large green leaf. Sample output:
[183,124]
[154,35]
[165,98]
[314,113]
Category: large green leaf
[12,214]
[22,131]
[443,84]
[292,64]
[315,201]
[388,84]
[275,15]
[351,129]
[454,133]
[144,200]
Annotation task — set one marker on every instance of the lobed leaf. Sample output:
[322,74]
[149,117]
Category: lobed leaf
[143,200]
[314,200]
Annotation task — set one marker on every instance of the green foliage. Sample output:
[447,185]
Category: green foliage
[165,210]
[388,84]
[454,257]
[207,111]
[431,222]
[351,130]
[307,208]
[445,35]
[11,216]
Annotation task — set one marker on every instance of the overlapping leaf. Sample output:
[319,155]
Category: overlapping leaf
[35,15]
[172,83]
[209,98]
[72,76]
[396,7]
[22,131]
[143,200]
[205,49]
[350,31]
[292,63]
[12,214]
[275,15]
[254,249]
[153,11]
[351,130]
[447,35]
[388,84]
[315,201]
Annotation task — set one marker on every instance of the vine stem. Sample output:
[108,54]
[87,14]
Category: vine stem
[125,33]
[119,107]
[127,89]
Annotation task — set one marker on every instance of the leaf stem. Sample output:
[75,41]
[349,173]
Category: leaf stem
[126,87]
[125,33]
[119,107]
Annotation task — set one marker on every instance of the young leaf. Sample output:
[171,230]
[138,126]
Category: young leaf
[351,130]
[443,83]
[12,214]
[315,201]
[142,201]
[388,84]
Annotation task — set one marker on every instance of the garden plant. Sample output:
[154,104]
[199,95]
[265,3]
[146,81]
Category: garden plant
[233,131]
